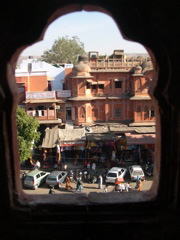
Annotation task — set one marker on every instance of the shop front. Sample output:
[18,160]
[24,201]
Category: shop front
[62,145]
[136,148]
[100,148]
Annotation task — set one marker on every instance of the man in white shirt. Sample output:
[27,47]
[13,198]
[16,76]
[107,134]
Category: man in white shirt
[37,165]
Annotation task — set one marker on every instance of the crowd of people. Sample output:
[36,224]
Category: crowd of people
[119,186]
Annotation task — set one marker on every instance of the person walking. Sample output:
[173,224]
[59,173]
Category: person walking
[127,187]
[68,181]
[79,185]
[105,188]
[100,181]
[137,179]
[139,185]
[37,165]
[51,191]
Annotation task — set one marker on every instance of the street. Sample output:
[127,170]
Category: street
[87,188]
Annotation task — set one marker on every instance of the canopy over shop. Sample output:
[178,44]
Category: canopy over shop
[61,144]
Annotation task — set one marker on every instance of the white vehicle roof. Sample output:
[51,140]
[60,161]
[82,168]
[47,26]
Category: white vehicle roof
[115,169]
[136,167]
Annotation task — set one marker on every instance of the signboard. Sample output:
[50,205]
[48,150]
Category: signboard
[63,93]
[40,95]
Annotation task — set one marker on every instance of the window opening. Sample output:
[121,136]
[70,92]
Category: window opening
[101,86]
[68,113]
[117,112]
[123,81]
[118,84]
[88,85]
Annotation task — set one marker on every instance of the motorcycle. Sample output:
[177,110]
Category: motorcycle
[78,175]
[86,176]
[71,176]
[149,169]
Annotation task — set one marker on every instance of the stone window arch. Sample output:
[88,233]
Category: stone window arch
[125,212]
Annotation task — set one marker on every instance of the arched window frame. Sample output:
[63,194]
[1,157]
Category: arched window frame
[165,201]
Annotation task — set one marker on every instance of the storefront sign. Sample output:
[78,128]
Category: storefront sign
[40,95]
[63,93]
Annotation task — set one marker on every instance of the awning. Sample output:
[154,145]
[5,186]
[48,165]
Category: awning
[63,137]
[71,144]
[139,139]
[101,137]
[51,138]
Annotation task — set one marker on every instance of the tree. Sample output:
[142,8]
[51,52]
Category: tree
[64,50]
[27,133]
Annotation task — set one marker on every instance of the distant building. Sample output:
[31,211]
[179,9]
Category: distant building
[110,90]
[40,87]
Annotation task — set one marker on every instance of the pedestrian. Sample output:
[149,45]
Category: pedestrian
[127,187]
[100,181]
[55,166]
[121,187]
[51,191]
[79,185]
[94,166]
[37,165]
[68,186]
[89,165]
[139,185]
[137,179]
[105,188]
[85,164]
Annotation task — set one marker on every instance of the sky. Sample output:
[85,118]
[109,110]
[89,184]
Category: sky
[96,30]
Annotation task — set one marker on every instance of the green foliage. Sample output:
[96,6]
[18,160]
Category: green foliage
[27,133]
[64,50]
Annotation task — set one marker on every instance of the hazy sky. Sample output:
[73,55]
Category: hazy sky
[96,30]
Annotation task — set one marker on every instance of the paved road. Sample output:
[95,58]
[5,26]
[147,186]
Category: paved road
[87,188]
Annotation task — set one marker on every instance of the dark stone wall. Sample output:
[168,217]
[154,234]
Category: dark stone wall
[155,215]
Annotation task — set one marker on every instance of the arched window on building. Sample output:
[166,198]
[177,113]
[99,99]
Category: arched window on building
[30,111]
[139,112]
[95,113]
[146,113]
[152,112]
[40,111]
[139,85]
[82,112]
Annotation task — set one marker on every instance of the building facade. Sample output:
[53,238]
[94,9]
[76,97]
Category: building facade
[40,91]
[107,94]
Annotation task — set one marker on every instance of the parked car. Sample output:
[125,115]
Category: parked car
[35,178]
[136,170]
[55,178]
[115,173]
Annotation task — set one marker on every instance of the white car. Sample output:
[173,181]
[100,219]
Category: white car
[136,171]
[114,173]
[35,178]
